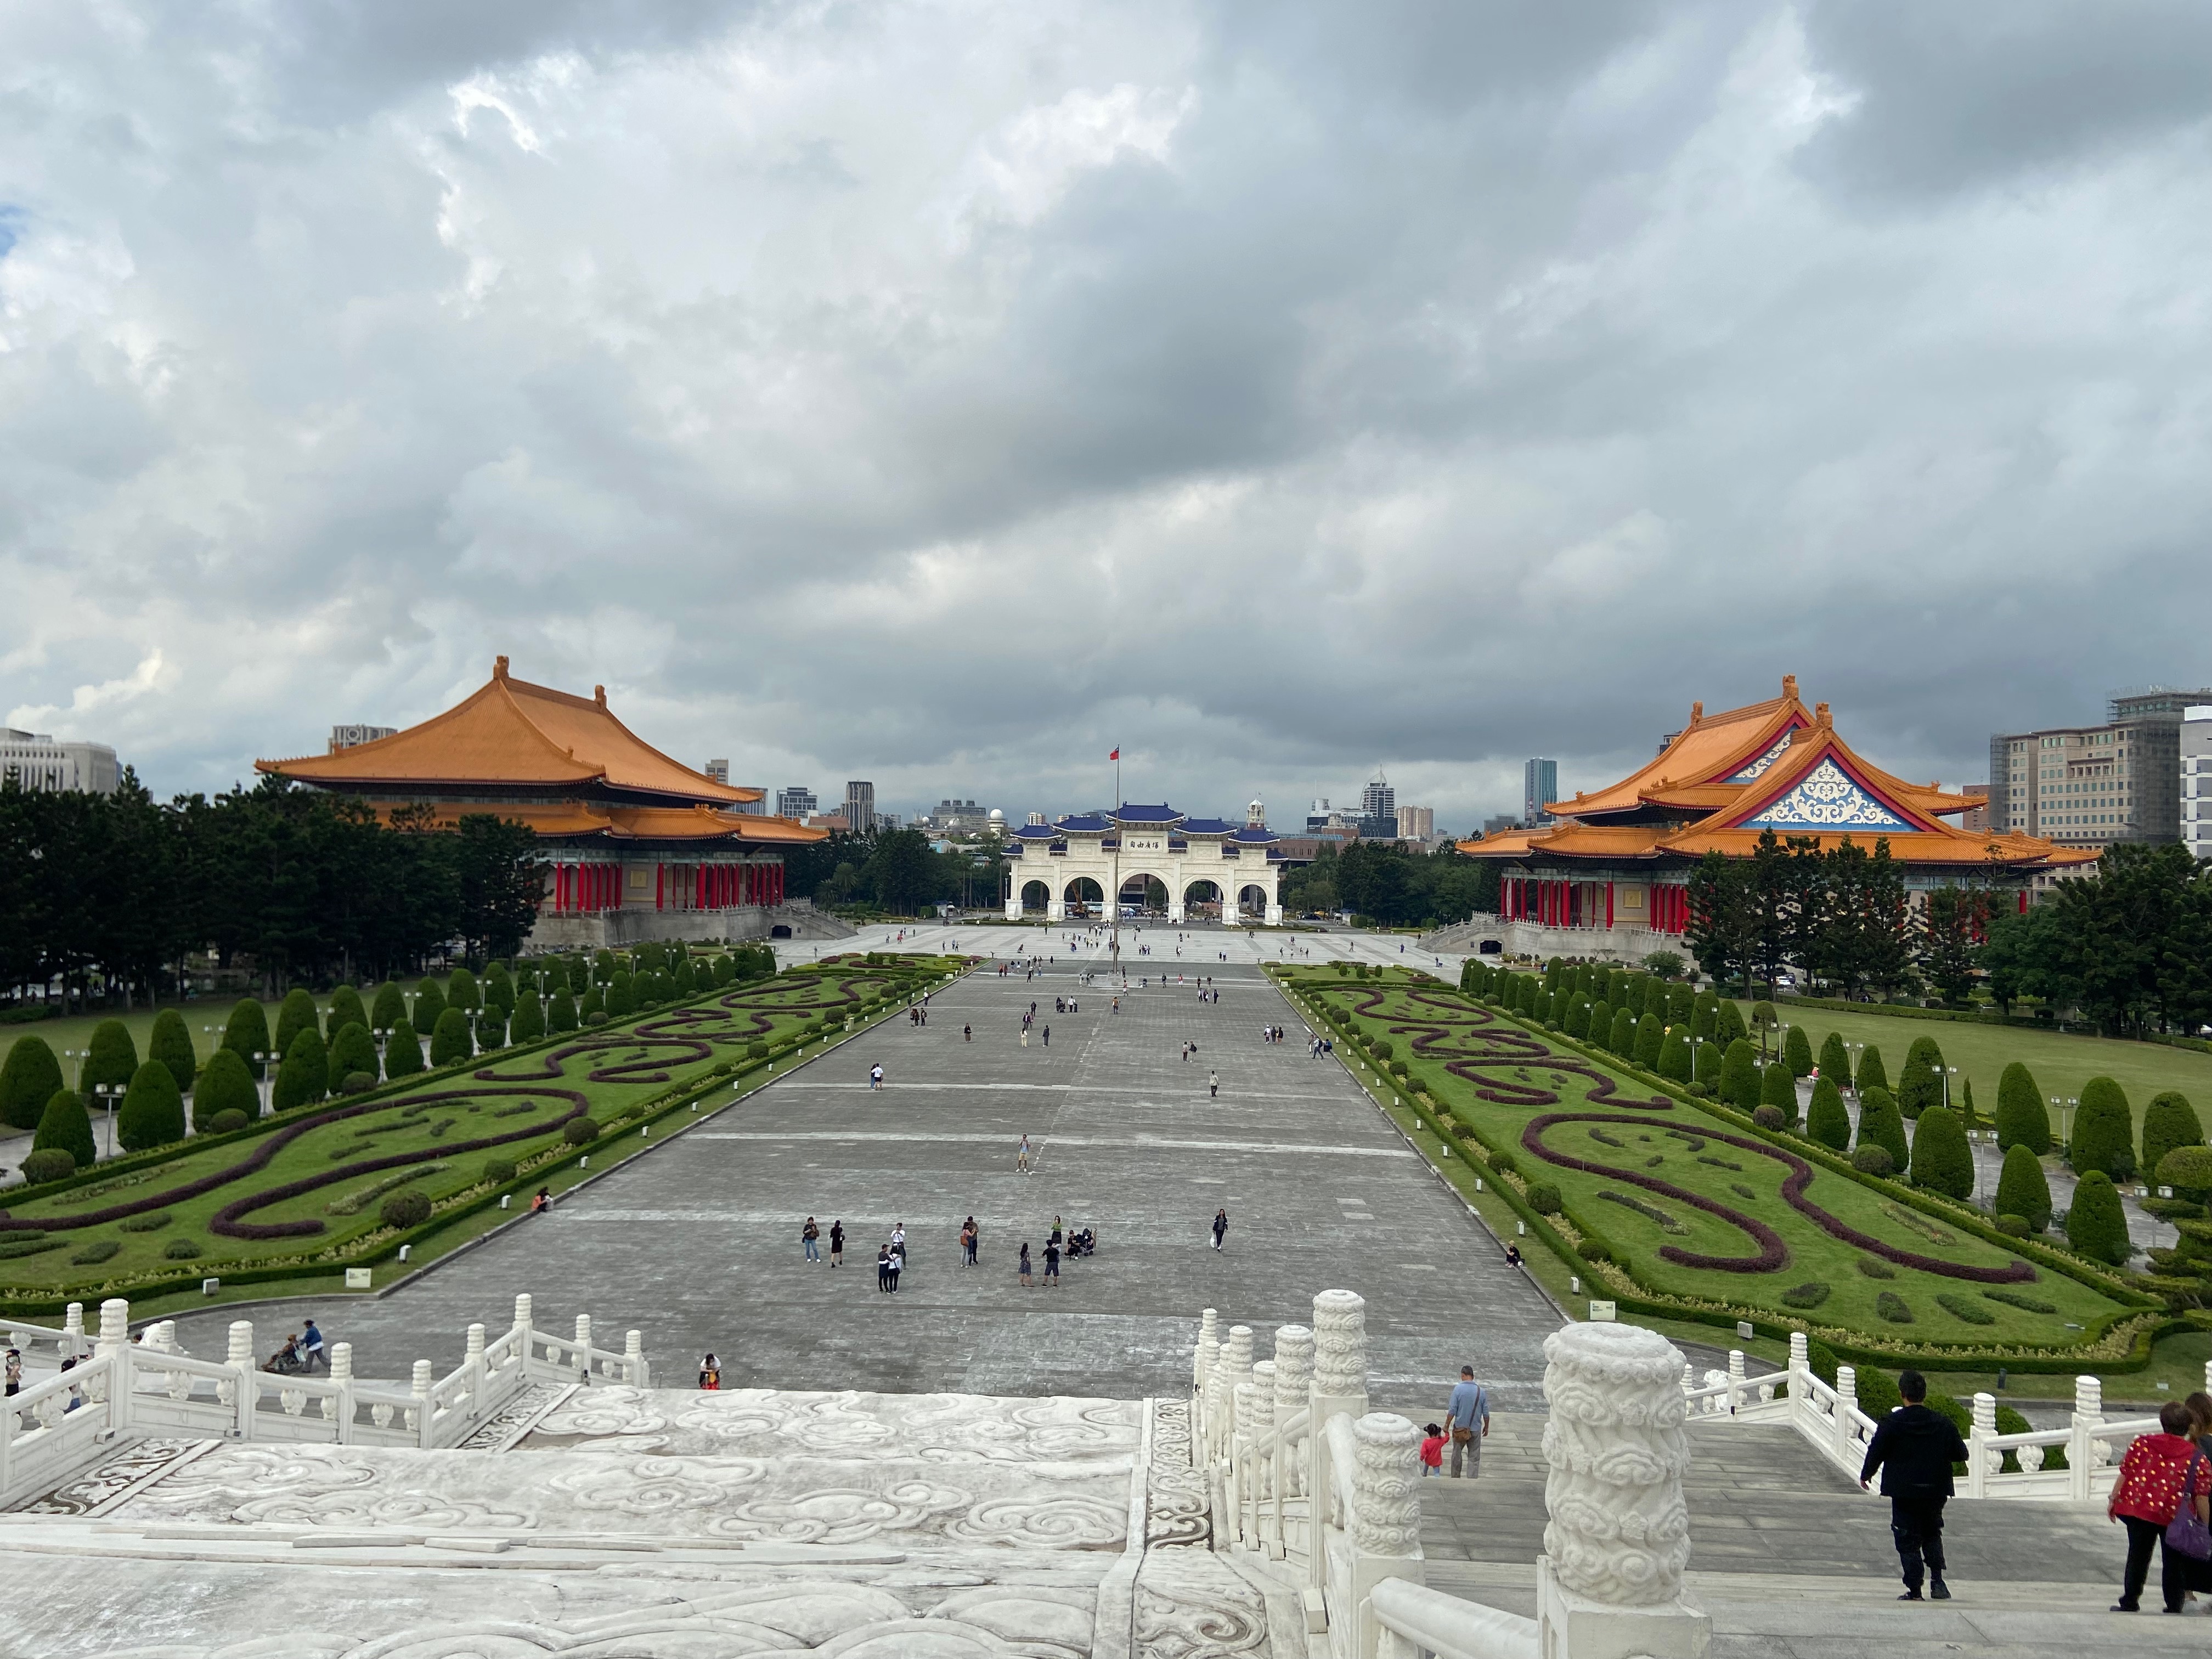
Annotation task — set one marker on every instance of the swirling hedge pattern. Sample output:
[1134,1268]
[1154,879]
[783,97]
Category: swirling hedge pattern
[678,1038]
[1473,1044]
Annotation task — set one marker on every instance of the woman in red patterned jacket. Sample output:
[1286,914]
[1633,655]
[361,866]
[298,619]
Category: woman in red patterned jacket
[2146,1497]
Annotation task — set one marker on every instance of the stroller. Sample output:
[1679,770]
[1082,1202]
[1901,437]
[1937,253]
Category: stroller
[1082,1242]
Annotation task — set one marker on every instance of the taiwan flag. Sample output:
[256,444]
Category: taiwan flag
[1116,755]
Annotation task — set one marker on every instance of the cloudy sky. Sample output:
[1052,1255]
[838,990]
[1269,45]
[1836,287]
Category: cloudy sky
[942,394]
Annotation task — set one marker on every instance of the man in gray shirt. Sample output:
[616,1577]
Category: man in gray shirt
[1468,1417]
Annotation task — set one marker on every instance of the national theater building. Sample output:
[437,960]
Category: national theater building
[1609,879]
[635,845]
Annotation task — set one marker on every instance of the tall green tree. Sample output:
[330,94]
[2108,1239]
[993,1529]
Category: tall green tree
[429,1003]
[451,1044]
[1919,1084]
[1881,1125]
[170,1043]
[389,1008]
[1778,1089]
[2022,1118]
[1797,1052]
[402,1050]
[1740,1079]
[1835,1060]
[346,1009]
[297,1014]
[1674,1056]
[2096,1225]
[351,1051]
[1872,1073]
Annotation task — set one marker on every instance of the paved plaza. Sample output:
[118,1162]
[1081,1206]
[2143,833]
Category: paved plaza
[696,1244]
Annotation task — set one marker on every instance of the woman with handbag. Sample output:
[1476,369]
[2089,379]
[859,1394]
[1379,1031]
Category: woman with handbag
[2162,1495]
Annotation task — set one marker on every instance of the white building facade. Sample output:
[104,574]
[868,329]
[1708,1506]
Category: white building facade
[2197,779]
[1209,866]
[37,764]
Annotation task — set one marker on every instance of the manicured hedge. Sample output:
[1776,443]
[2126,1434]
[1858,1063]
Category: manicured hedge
[66,1125]
[153,1112]
[170,1043]
[2022,1118]
[226,1086]
[28,1079]
[2104,1131]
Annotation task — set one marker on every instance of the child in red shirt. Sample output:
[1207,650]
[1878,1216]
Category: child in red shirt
[1432,1451]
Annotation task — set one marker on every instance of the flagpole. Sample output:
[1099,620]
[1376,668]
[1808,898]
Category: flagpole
[1114,898]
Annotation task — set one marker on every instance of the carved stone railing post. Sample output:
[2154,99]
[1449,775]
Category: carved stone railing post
[634,1371]
[73,1329]
[1847,1401]
[339,1405]
[1244,1416]
[1386,1519]
[239,1394]
[1617,1538]
[1209,1335]
[114,1345]
[1294,1347]
[473,1361]
[1340,1387]
[1801,1410]
[522,1332]
[2081,1451]
[1233,1366]
[418,1413]
[1736,1374]
[1259,1455]
[1981,1461]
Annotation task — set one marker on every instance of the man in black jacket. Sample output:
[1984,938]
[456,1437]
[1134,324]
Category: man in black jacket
[1915,1450]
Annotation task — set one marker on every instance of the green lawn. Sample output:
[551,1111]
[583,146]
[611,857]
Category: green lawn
[2061,1064]
[1695,1207]
[437,1130]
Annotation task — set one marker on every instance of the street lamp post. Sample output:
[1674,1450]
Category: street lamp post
[268,1080]
[383,1036]
[110,1092]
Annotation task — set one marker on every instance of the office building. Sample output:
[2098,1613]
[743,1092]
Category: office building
[1976,820]
[352,737]
[1499,823]
[719,770]
[1539,787]
[1378,808]
[2196,779]
[32,762]
[1417,823]
[2091,786]
[860,807]
[795,800]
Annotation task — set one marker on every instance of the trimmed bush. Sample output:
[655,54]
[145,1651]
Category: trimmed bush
[462,991]
[65,1124]
[153,1112]
[402,1050]
[1705,1068]
[1740,1079]
[48,1164]
[225,1122]
[404,1210]
[1872,1074]
[1877,1393]
[497,1172]
[450,1044]
[2188,1170]
[1600,1023]
[1825,1119]
[1835,1060]
[499,987]
[2022,1118]
[596,1016]
[112,1060]
[1874,1160]
[1544,1199]
[1797,1052]
[389,1008]
[1778,1089]
[356,1083]
[1650,1036]
[1577,1023]
[246,1034]
[346,1010]
[2104,1131]
[526,1023]
[181,1250]
[353,1050]
[225,1086]
[580,1132]
[1704,1015]
[560,1012]
[2095,1223]
[1674,1056]
[622,995]
[1594,1250]
[29,1080]
[1880,1125]
[1920,1084]
[1728,1022]
[1942,1161]
[145,1222]
[2022,1189]
[1890,1306]
[2168,1122]
[296,1014]
[491,1029]
[1621,1038]
[1769,1117]
[429,1003]
[304,1076]
[100,1251]
[170,1043]
[1873,1266]
[1805,1295]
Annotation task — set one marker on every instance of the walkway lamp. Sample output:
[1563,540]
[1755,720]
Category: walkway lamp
[77,1055]
[268,1065]
[111,1093]
[1858,1052]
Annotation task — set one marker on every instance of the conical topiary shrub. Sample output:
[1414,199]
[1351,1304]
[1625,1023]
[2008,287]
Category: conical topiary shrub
[304,1079]
[1728,1023]
[1881,1125]
[111,1057]
[594,1002]
[2022,1118]
[1825,1119]
[527,1021]
[1649,1034]
[2104,1131]
[1942,1161]
[1778,1089]
[450,1044]
[389,1008]
[296,1014]
[227,1085]
[1674,1056]
[2022,1188]
[1835,1060]
[429,1003]
[1872,1073]
[171,1043]
[346,1009]
[1797,1052]
[28,1079]
[622,995]
[2169,1120]
[560,1012]
[353,1050]
[402,1050]
[1622,1038]
[462,991]
[2096,1225]
[1920,1085]
[1703,1012]
[1707,1065]
[246,1034]
[1740,1079]
[153,1113]
[67,1125]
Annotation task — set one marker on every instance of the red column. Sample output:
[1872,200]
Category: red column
[778,884]
[1609,904]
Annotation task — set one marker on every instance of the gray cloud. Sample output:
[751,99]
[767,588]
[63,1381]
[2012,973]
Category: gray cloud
[946,396]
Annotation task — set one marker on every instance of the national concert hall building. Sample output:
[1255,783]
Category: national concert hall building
[635,845]
[1609,879]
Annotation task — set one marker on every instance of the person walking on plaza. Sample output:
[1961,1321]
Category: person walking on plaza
[1023,1156]
[1024,1268]
[970,1237]
[810,1237]
[1220,1226]
[875,1077]
[967,1034]
[1213,1085]
[883,1266]
[1468,1412]
[1433,1450]
[311,1349]
[836,1243]
[2160,1473]
[710,1371]
[1914,1449]
[1052,1261]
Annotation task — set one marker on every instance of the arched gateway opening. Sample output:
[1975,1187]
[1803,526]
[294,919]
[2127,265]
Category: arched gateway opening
[1085,898]
[1202,900]
[1144,896]
[1036,896]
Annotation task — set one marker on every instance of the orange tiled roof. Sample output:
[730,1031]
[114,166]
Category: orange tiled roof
[1724,779]
[512,732]
[563,819]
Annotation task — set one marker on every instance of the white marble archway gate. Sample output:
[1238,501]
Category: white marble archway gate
[1155,843]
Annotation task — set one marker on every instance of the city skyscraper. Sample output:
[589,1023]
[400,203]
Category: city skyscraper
[796,800]
[860,807]
[1540,782]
